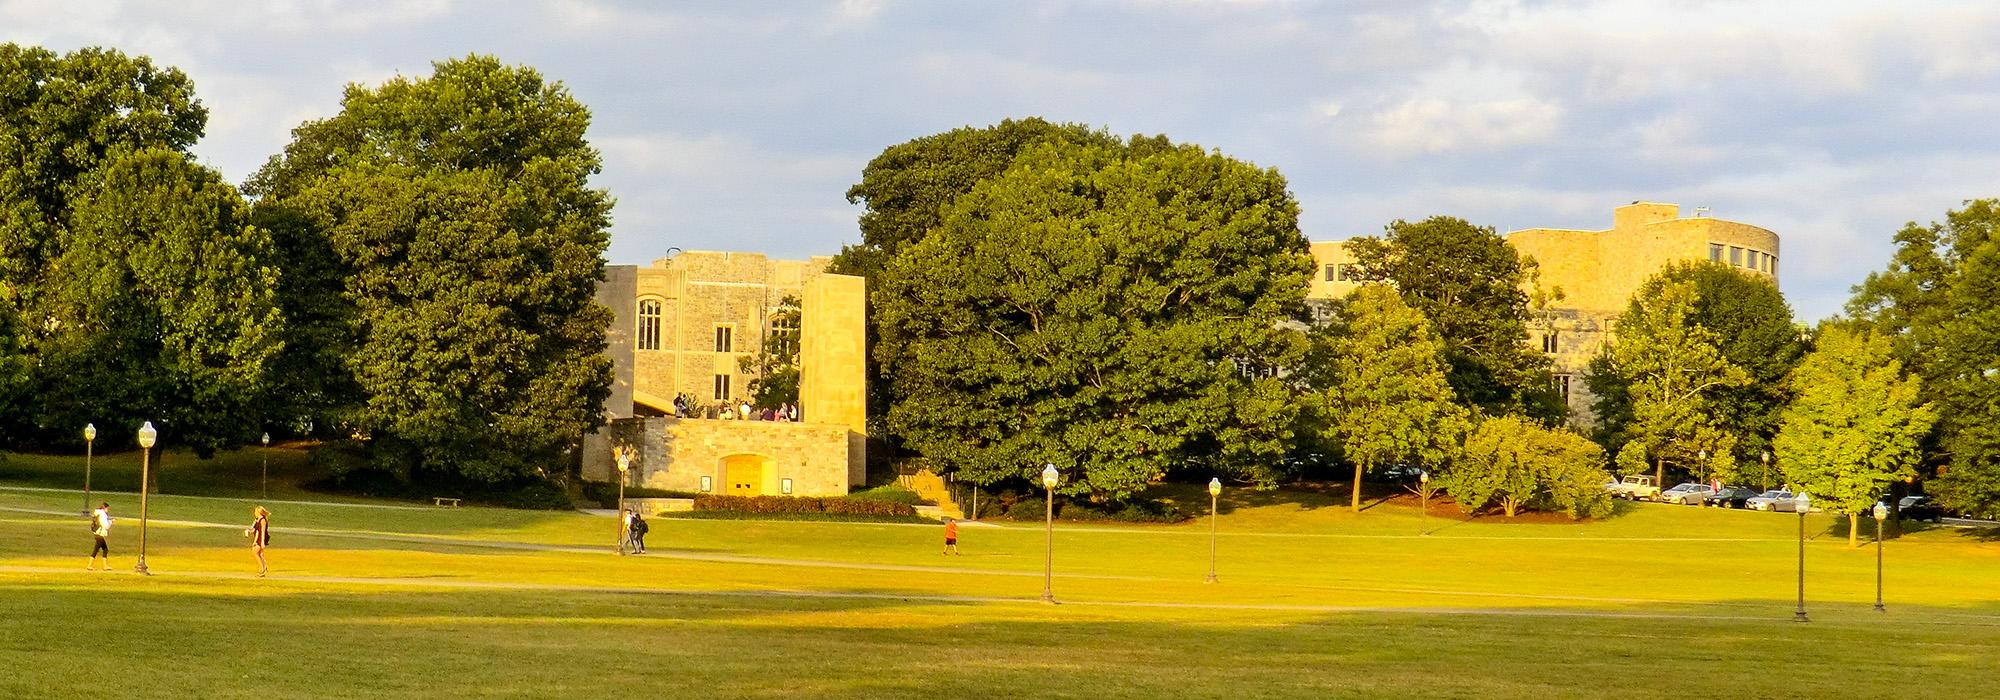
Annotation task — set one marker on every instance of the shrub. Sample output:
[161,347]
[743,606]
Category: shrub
[541,495]
[605,493]
[894,493]
[808,517]
[838,505]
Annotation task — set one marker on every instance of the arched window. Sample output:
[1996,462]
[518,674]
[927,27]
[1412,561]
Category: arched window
[649,324]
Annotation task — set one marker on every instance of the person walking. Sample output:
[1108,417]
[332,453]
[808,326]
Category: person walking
[624,531]
[639,528]
[259,533]
[951,537]
[100,528]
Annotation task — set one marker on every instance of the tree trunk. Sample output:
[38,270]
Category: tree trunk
[1660,472]
[1510,505]
[1853,528]
[1359,467]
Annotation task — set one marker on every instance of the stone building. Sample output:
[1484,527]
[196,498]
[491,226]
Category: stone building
[1597,271]
[682,328]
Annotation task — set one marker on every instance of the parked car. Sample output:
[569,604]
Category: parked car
[1687,494]
[1919,508]
[1776,501]
[1636,487]
[1729,497]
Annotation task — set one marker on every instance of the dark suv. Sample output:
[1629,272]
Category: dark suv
[1730,497]
[1919,508]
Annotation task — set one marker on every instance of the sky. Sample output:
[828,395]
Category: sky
[740,125]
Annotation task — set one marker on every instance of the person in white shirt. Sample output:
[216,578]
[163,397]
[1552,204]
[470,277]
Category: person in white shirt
[100,528]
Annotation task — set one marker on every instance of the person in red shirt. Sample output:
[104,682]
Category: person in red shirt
[950,536]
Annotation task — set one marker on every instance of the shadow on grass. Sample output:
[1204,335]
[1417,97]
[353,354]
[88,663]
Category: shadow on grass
[242,638]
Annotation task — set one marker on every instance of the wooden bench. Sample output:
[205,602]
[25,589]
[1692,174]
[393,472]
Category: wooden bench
[442,502]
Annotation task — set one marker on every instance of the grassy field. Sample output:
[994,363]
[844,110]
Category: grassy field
[1313,601]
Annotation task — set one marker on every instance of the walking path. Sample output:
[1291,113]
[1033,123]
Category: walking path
[1968,620]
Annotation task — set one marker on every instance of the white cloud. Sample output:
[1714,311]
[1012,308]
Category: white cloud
[1430,125]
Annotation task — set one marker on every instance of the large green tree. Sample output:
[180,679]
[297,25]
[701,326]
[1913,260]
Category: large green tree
[1378,370]
[135,286]
[1939,302]
[1856,426]
[1676,373]
[1754,330]
[449,245]
[1469,282]
[61,117]
[162,306]
[1115,314]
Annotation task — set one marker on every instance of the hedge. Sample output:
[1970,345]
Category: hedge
[801,504]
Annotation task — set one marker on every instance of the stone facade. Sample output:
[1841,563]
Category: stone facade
[1596,273]
[683,327]
[737,457]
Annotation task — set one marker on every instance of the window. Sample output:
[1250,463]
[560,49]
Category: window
[649,324]
[1331,272]
[722,387]
[1771,264]
[784,331]
[724,339]
[1551,342]
[1753,259]
[1735,256]
[1340,272]
[1562,387]
[1715,252]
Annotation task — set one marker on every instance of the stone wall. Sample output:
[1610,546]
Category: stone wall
[671,453]
[833,363]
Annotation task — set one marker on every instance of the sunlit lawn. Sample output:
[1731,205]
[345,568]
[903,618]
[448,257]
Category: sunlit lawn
[1314,601]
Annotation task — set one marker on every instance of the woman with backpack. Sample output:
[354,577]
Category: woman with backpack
[639,528]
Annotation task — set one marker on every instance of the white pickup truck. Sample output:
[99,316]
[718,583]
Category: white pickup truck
[1635,488]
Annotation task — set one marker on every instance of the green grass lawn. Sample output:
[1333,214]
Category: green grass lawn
[1314,601]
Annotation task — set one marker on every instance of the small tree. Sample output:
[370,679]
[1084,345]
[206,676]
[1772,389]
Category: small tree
[776,364]
[1382,378]
[1856,425]
[1521,465]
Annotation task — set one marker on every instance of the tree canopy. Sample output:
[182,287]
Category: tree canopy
[1676,375]
[1857,425]
[446,232]
[134,285]
[1754,330]
[1379,374]
[1939,301]
[1113,313]
[1468,281]
[1520,465]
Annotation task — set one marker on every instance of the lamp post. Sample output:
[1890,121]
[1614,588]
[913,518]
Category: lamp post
[1700,460]
[1803,504]
[1424,503]
[1765,473]
[1214,492]
[1049,479]
[147,437]
[624,465]
[1881,514]
[89,438]
[264,460]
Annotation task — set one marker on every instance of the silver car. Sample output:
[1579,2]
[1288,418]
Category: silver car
[1688,494]
[1776,501]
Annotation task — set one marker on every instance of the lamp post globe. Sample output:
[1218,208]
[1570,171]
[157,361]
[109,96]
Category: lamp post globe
[1424,502]
[1214,492]
[147,438]
[1803,504]
[89,441]
[1050,477]
[624,466]
[1881,514]
[264,461]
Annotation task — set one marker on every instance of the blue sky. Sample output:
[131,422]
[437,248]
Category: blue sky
[740,125]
